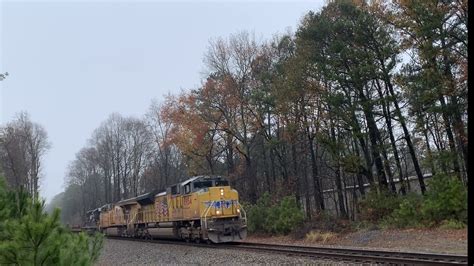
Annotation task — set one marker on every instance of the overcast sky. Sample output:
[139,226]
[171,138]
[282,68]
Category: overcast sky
[72,64]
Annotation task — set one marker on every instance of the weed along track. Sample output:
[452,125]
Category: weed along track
[337,254]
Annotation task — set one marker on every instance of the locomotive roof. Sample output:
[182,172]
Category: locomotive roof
[191,180]
[201,177]
[145,198]
[127,202]
[105,207]
[93,210]
[161,194]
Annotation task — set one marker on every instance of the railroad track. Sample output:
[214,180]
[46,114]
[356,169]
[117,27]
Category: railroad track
[341,254]
[359,255]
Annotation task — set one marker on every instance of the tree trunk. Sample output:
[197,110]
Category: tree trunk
[360,181]
[388,121]
[458,123]
[427,141]
[265,167]
[401,119]
[449,133]
[340,195]
[304,167]
[373,137]
[316,183]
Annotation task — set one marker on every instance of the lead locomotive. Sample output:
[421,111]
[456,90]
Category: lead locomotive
[201,208]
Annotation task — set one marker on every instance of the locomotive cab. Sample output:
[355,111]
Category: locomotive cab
[222,218]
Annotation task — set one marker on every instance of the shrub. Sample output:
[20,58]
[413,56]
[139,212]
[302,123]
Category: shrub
[258,213]
[280,218]
[285,217]
[446,199]
[378,205]
[452,224]
[408,212]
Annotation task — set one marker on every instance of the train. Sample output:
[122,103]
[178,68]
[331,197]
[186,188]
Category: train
[202,208]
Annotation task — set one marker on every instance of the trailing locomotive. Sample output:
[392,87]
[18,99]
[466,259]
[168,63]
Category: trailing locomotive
[202,208]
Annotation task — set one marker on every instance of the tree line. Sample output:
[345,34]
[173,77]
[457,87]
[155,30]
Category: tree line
[23,144]
[363,92]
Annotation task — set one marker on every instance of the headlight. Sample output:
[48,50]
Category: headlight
[238,210]
[218,212]
[222,192]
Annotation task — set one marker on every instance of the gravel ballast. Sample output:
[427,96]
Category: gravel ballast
[435,240]
[124,252]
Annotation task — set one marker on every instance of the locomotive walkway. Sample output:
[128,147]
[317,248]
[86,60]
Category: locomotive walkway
[341,254]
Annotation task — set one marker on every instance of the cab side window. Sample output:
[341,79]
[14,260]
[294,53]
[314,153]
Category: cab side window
[187,189]
[174,190]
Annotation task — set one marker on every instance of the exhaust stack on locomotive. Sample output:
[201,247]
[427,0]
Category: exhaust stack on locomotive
[200,208]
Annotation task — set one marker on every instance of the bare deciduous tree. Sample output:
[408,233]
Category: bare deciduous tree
[23,145]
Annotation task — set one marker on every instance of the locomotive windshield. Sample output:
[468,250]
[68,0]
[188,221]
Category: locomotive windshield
[209,183]
[202,184]
[221,183]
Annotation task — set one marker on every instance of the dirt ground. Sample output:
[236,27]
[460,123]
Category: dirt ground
[416,240]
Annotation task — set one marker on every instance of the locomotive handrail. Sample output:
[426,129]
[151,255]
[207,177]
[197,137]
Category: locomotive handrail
[242,214]
[130,222]
[206,211]
[244,218]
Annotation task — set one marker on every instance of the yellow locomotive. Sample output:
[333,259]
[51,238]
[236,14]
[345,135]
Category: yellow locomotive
[200,208]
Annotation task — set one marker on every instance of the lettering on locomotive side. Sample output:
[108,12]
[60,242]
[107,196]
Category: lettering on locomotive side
[187,201]
[220,204]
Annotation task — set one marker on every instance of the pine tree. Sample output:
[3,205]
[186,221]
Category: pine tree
[36,238]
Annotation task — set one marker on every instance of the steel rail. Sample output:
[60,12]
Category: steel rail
[360,255]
